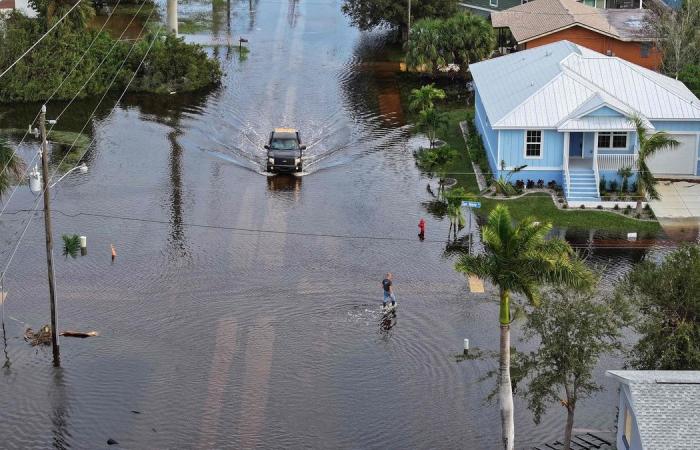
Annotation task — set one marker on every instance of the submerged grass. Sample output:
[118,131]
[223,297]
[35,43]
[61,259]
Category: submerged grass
[63,141]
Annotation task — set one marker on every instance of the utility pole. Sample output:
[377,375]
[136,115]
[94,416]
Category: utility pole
[408,33]
[49,235]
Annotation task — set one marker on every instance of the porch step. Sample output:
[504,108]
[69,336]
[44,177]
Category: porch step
[582,186]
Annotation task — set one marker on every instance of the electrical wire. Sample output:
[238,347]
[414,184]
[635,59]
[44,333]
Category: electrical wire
[47,183]
[75,66]
[40,39]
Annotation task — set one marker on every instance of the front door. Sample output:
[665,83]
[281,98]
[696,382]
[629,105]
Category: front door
[576,145]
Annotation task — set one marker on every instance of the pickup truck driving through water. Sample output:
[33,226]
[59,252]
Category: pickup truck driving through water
[284,151]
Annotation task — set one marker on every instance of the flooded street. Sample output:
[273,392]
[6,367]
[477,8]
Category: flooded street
[242,311]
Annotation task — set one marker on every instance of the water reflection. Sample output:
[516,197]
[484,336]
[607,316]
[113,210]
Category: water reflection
[58,400]
[290,185]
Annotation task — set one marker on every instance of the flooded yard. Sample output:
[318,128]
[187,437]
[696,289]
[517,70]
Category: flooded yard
[242,311]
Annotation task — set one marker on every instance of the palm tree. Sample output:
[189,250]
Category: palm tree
[519,259]
[648,146]
[11,167]
[454,198]
[423,97]
[431,121]
[625,173]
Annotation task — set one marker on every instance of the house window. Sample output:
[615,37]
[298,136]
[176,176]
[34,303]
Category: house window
[615,139]
[645,47]
[627,433]
[493,3]
[533,144]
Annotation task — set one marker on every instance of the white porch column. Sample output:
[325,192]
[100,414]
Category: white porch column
[172,16]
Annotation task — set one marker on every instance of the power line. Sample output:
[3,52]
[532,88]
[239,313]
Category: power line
[40,39]
[28,166]
[48,182]
[308,234]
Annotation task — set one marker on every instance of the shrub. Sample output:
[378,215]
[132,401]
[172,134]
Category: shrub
[540,184]
[565,205]
[599,206]
[614,185]
[552,185]
[616,207]
[530,184]
[602,184]
[519,185]
[582,206]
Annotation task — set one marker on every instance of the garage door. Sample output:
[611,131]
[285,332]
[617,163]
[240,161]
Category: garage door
[682,160]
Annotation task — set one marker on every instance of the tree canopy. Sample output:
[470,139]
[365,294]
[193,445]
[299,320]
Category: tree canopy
[171,64]
[368,14]
[574,330]
[460,39]
[666,296]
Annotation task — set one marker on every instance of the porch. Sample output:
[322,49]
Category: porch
[587,154]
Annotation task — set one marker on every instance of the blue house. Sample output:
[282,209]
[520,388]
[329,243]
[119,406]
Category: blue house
[563,111]
[658,409]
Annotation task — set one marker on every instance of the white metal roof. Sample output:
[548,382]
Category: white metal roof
[545,86]
[598,123]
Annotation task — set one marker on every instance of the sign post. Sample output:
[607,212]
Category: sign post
[469,204]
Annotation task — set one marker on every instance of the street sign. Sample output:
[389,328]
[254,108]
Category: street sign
[468,204]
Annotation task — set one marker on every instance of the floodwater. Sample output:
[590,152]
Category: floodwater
[242,311]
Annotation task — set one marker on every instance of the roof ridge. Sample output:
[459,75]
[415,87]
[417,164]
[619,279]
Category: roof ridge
[596,88]
[666,88]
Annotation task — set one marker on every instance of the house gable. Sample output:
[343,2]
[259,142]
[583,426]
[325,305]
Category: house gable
[604,111]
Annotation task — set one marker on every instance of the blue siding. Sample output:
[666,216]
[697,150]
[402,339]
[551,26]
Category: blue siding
[610,175]
[604,111]
[676,126]
[513,149]
[488,135]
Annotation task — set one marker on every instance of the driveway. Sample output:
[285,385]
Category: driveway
[679,200]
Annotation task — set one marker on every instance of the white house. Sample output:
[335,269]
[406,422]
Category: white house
[563,111]
[20,5]
[658,409]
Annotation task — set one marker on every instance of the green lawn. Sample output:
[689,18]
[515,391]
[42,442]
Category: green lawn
[542,208]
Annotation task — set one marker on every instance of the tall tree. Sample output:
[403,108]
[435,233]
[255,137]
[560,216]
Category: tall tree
[11,165]
[368,14]
[573,330]
[519,259]
[666,296]
[649,145]
[461,39]
[678,34]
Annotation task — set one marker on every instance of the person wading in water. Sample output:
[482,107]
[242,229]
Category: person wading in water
[388,286]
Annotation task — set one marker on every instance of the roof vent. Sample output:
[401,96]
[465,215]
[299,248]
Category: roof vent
[532,83]
[548,53]
[608,52]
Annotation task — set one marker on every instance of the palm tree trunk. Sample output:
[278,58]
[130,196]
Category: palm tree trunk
[505,389]
[569,427]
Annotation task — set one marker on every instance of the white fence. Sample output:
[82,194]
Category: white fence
[615,162]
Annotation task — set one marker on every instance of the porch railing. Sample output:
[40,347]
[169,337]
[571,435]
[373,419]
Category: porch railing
[567,178]
[616,161]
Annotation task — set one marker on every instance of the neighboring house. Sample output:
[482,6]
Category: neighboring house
[613,32]
[486,7]
[20,5]
[658,409]
[563,111]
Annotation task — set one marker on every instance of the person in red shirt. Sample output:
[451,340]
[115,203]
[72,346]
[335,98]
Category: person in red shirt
[421,228]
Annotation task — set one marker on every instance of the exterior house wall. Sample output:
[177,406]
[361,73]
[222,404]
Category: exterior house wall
[7,4]
[630,51]
[482,6]
[680,128]
[625,404]
[488,136]
[547,168]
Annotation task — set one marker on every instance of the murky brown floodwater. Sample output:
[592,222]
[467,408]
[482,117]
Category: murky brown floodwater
[241,310]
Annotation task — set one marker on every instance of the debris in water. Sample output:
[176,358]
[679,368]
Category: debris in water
[111,441]
[135,412]
[79,334]
[41,337]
